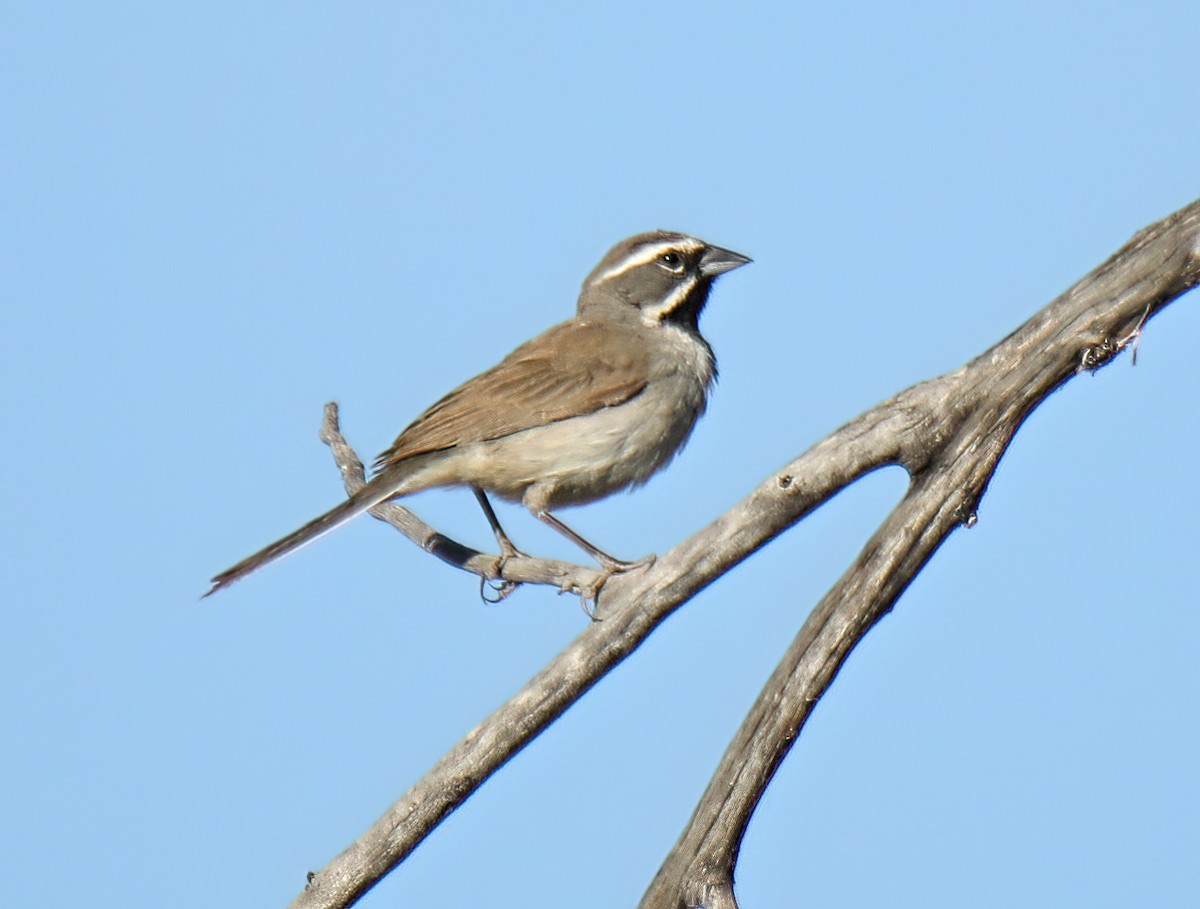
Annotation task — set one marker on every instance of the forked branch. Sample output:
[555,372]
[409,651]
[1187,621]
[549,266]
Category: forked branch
[949,433]
[966,421]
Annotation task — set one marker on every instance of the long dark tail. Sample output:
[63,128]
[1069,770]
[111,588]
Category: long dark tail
[378,490]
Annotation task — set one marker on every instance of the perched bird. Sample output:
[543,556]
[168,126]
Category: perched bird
[592,406]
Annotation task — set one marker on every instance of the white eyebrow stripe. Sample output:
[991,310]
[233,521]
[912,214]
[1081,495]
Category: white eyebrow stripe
[652,316]
[649,254]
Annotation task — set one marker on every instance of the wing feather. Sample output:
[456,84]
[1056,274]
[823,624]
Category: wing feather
[570,370]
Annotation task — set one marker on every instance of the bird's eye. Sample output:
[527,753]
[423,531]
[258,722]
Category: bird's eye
[671,261]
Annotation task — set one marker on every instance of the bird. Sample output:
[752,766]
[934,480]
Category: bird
[590,407]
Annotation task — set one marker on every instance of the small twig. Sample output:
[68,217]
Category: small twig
[1135,336]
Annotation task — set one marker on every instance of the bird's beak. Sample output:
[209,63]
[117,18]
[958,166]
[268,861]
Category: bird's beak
[717,261]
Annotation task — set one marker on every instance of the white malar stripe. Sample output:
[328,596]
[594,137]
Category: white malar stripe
[649,254]
[654,315]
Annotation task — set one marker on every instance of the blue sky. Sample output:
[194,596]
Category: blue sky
[216,218]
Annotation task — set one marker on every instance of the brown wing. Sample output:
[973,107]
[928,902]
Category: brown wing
[572,369]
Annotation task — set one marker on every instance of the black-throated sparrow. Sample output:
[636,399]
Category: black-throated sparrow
[592,406]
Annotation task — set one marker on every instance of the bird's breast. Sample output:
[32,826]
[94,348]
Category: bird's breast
[584,458]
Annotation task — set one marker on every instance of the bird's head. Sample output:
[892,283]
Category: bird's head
[655,278]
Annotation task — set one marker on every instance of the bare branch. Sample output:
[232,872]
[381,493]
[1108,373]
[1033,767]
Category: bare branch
[967,419]
[948,432]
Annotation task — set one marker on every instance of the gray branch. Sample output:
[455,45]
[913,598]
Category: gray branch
[949,433]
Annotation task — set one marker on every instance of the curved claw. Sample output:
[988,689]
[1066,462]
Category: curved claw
[589,595]
[500,588]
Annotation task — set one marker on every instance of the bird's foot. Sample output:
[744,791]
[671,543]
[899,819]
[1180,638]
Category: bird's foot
[495,589]
[508,551]
[589,594]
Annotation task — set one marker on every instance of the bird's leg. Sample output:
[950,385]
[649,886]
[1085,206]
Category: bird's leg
[507,549]
[612,565]
[500,586]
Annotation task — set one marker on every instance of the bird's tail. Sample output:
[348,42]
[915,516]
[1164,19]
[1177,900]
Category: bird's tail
[366,498]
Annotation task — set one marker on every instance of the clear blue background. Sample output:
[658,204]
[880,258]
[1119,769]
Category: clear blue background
[219,216]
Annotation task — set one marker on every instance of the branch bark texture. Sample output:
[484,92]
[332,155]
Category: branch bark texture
[949,433]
